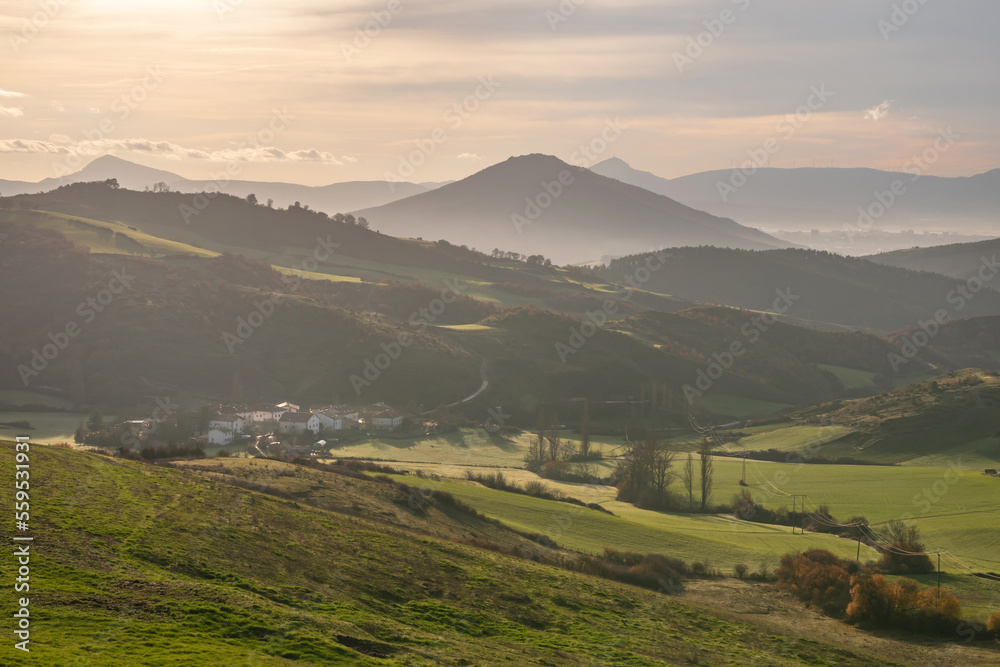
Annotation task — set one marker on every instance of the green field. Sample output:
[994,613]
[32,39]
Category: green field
[740,407]
[18,397]
[954,508]
[790,438]
[851,378]
[47,427]
[97,235]
[144,565]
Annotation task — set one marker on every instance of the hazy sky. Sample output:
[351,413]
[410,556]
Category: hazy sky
[188,85]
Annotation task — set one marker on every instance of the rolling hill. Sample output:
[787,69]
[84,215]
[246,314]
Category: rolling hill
[171,333]
[540,204]
[958,260]
[829,198]
[831,289]
[939,417]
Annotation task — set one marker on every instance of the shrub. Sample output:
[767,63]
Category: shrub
[902,605]
[741,570]
[817,577]
[905,553]
[993,624]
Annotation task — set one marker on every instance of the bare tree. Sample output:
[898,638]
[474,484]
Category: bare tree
[585,430]
[688,478]
[554,436]
[706,472]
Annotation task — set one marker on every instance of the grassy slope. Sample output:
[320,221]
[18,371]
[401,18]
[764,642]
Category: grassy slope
[140,565]
[953,510]
[933,417]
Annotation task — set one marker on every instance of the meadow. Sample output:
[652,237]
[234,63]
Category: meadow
[952,503]
[184,568]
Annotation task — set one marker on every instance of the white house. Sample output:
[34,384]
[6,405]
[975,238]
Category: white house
[265,412]
[299,422]
[330,420]
[386,419]
[232,423]
[287,407]
[217,436]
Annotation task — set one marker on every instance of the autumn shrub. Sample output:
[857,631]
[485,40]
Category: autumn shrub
[993,625]
[817,577]
[902,605]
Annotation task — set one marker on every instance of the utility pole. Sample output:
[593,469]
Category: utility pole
[802,529]
[939,575]
[744,480]
[858,559]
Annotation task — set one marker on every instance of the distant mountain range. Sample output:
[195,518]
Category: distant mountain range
[829,198]
[540,204]
[337,197]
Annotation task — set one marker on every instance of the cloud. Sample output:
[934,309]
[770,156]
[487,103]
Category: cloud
[10,93]
[61,144]
[879,111]
[469,156]
[11,112]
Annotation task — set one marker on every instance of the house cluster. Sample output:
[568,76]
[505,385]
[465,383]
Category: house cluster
[227,422]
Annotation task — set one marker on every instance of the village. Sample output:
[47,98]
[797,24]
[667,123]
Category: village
[283,430]
[286,430]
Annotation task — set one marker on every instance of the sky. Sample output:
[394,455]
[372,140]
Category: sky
[320,92]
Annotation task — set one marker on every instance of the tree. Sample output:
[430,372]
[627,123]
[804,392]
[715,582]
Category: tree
[688,478]
[661,460]
[270,203]
[585,430]
[706,472]
[349,219]
[905,553]
[363,223]
[644,471]
[554,436]
[112,183]
[252,199]
[95,422]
